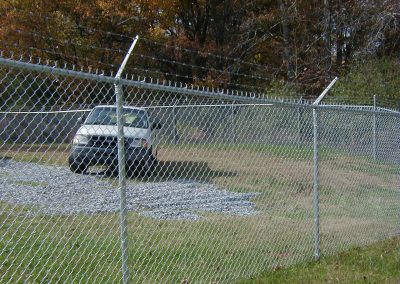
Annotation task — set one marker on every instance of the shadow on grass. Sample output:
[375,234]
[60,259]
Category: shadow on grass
[171,170]
[187,170]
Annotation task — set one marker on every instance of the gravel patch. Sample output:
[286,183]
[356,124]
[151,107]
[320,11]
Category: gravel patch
[57,191]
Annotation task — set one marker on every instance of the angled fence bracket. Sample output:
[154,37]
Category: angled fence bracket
[317,241]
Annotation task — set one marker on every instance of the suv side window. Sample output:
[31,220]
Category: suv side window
[108,116]
[136,118]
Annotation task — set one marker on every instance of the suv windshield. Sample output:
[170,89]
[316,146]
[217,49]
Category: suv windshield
[108,116]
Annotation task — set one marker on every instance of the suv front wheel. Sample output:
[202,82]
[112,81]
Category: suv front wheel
[77,167]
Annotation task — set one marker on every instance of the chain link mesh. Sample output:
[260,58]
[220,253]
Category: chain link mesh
[219,186]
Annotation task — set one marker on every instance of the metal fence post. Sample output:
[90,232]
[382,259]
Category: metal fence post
[317,249]
[374,131]
[299,119]
[233,139]
[317,241]
[175,132]
[121,167]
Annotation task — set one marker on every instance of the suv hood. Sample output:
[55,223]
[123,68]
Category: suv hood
[112,130]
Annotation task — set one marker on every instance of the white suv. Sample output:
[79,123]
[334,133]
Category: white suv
[96,140]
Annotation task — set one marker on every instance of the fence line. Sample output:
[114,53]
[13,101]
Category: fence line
[218,186]
[218,94]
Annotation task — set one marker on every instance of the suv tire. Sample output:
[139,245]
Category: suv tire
[77,167]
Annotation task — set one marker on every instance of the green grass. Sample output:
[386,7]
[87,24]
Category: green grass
[58,249]
[377,263]
[160,251]
[298,152]
[358,205]
[47,154]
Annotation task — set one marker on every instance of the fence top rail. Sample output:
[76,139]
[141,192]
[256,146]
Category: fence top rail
[363,109]
[218,94]
[146,107]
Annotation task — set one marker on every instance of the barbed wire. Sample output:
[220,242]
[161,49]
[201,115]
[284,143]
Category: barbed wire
[222,71]
[69,42]
[146,39]
[199,67]
[261,92]
[212,89]
[304,81]
[129,68]
[135,54]
[329,100]
[205,53]
[361,99]
[236,60]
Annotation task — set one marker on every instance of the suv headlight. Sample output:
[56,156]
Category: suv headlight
[136,143]
[80,139]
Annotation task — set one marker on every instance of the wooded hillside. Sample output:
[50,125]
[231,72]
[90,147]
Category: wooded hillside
[280,47]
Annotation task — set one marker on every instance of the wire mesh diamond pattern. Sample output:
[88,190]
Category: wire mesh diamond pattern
[218,185]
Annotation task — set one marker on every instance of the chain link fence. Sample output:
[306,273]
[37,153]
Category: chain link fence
[218,185]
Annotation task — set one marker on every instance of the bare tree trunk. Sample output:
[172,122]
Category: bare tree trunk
[327,35]
[339,35]
[287,54]
[339,46]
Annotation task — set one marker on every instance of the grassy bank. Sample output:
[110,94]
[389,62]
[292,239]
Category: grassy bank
[377,263]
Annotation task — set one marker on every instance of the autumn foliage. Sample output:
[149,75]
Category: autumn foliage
[223,43]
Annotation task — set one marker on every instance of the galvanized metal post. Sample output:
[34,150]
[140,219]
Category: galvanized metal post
[398,162]
[299,119]
[233,138]
[121,166]
[175,123]
[317,242]
[317,238]
[374,153]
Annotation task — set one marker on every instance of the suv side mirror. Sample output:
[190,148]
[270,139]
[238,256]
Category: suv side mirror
[81,119]
[155,125]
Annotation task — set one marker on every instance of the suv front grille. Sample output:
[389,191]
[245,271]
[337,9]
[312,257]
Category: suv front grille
[110,142]
[104,141]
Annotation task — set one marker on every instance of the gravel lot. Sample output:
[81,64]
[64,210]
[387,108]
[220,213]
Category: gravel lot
[57,191]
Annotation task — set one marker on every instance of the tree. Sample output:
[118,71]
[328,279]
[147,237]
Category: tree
[304,42]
